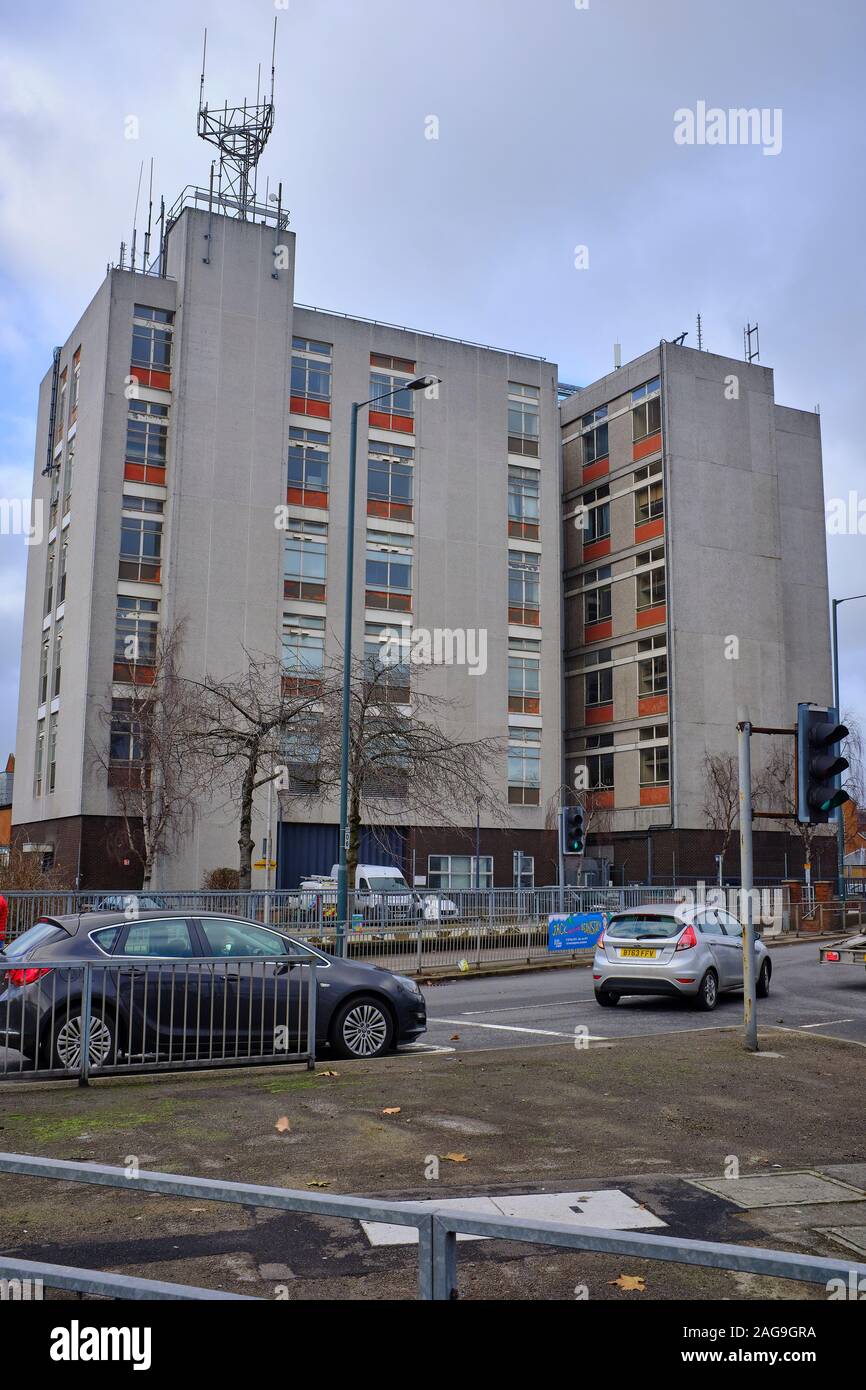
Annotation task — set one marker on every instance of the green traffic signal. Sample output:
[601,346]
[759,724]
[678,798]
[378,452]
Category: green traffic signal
[819,764]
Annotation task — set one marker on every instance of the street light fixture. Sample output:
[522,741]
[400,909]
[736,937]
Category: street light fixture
[840,814]
[420,383]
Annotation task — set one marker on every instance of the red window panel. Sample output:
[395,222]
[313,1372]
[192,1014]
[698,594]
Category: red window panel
[655,796]
[300,405]
[649,530]
[393,511]
[524,704]
[599,714]
[134,673]
[600,800]
[380,420]
[644,447]
[523,530]
[652,704]
[599,469]
[147,376]
[144,473]
[596,632]
[652,617]
[593,550]
[525,617]
[302,588]
[380,598]
[308,497]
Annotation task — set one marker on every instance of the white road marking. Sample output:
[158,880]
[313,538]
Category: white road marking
[524,1008]
[610,1210]
[508,1028]
[829,1024]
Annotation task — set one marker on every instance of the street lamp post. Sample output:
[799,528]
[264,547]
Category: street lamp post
[420,383]
[840,812]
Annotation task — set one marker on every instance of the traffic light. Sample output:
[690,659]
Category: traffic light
[574,829]
[819,764]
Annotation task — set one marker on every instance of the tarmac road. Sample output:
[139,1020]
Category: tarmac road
[547,1006]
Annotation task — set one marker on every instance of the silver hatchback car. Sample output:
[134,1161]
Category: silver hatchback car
[674,949]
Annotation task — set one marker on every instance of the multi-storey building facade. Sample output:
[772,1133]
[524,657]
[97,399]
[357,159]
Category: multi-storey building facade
[185,412]
[693,531]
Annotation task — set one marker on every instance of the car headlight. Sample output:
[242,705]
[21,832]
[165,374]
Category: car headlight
[411,986]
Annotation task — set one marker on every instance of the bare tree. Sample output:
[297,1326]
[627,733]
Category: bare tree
[245,731]
[775,789]
[22,870]
[721,796]
[148,757]
[401,754]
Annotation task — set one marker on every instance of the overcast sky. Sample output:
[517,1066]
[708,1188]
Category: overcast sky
[556,130]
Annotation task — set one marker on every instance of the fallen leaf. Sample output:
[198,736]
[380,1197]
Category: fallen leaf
[394,1110]
[455,1037]
[282,1126]
[455,1158]
[629,1281]
[328,1073]
[316,1182]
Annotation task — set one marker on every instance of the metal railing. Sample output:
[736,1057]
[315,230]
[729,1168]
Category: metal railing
[82,1018]
[437,1227]
[436,928]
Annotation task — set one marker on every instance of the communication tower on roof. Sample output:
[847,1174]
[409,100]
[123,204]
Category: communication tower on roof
[240,133]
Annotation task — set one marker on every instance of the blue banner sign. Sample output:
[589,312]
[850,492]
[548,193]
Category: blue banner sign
[574,931]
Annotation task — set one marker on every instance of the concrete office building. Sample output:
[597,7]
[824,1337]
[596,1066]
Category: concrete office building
[184,409]
[695,581]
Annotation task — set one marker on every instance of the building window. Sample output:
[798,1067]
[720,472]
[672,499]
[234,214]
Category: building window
[136,626]
[595,445]
[54,495]
[44,656]
[52,752]
[651,587]
[652,676]
[68,473]
[524,684]
[62,401]
[646,415]
[303,651]
[387,659]
[305,560]
[458,873]
[598,687]
[76,386]
[524,870]
[127,751]
[524,767]
[599,772]
[151,338]
[654,766]
[398,413]
[597,605]
[302,757]
[58,658]
[146,442]
[389,571]
[390,481]
[311,371]
[49,579]
[523,418]
[64,560]
[39,760]
[524,514]
[524,587]
[649,503]
[596,505]
[309,461]
[140,549]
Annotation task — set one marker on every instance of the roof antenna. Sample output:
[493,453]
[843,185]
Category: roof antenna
[700,336]
[240,133]
[135,218]
[617,355]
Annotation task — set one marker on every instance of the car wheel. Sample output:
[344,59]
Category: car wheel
[708,993]
[762,988]
[362,1028]
[606,998]
[63,1047]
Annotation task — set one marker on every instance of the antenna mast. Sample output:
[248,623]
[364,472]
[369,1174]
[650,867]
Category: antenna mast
[240,133]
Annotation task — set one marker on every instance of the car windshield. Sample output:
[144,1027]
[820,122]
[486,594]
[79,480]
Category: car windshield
[38,935]
[637,926]
[388,885]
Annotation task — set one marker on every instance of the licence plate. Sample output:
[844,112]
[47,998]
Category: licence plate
[639,952]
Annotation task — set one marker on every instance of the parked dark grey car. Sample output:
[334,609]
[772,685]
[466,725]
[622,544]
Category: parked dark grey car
[189,986]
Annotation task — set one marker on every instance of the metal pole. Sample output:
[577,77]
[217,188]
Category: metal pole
[750,1017]
[560,823]
[840,810]
[342,885]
